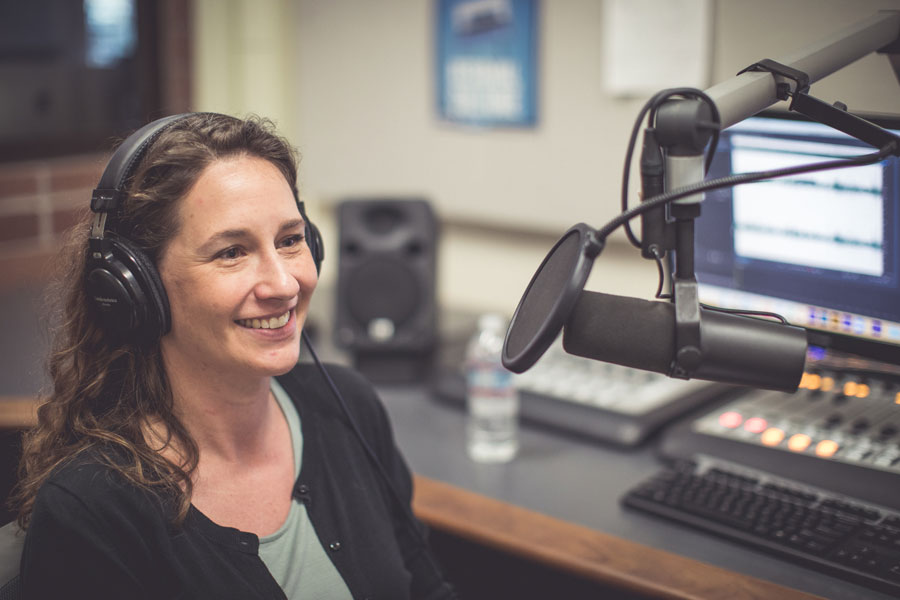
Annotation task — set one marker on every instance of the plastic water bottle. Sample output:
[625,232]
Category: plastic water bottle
[493,401]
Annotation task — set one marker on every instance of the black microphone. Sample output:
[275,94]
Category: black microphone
[638,333]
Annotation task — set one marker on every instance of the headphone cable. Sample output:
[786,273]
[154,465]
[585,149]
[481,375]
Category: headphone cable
[411,520]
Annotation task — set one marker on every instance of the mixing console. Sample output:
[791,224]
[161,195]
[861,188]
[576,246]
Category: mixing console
[594,400]
[840,430]
[846,419]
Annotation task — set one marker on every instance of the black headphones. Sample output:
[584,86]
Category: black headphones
[122,283]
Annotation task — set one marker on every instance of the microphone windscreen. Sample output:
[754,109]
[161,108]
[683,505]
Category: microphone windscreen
[549,298]
[543,294]
[625,331]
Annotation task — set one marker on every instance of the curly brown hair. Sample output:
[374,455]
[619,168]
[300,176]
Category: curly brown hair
[108,394]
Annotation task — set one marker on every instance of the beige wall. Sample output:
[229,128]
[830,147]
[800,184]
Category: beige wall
[243,53]
[351,82]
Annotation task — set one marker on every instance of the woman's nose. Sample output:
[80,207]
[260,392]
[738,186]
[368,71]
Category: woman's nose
[275,279]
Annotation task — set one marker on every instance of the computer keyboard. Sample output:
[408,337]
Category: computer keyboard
[604,402]
[838,535]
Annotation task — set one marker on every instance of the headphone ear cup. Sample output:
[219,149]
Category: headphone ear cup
[314,241]
[124,286]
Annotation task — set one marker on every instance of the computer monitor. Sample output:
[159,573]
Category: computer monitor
[821,249]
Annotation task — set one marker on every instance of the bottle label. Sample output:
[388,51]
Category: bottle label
[488,379]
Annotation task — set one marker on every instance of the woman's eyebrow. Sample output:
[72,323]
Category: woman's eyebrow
[225,235]
[243,233]
[293,224]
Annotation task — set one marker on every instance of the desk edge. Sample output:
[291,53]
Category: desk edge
[591,554]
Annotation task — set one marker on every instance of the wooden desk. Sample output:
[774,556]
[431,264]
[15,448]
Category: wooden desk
[17,412]
[609,560]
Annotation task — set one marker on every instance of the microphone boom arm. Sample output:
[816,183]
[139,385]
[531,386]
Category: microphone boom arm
[682,125]
[752,91]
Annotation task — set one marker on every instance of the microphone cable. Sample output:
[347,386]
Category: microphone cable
[651,106]
[735,180]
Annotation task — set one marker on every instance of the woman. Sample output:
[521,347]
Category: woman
[200,460]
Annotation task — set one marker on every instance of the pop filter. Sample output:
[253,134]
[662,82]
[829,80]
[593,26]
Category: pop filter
[550,297]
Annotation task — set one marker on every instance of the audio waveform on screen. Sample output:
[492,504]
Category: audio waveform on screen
[830,219]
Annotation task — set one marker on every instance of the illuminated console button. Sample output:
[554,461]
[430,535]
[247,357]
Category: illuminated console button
[772,436]
[826,448]
[730,419]
[799,442]
[810,381]
[827,384]
[755,425]
[856,389]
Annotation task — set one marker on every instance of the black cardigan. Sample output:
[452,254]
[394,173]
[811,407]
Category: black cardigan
[96,536]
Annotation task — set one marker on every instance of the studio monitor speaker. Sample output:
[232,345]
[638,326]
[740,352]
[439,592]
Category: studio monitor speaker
[386,314]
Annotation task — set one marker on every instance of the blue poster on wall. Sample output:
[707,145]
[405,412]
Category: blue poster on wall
[486,73]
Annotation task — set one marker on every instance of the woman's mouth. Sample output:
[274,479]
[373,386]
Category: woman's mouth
[272,323]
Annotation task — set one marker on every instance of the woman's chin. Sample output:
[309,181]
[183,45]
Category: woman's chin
[282,362]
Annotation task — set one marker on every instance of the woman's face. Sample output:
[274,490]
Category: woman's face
[239,274]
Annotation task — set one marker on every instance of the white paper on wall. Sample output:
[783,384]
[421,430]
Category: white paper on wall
[650,45]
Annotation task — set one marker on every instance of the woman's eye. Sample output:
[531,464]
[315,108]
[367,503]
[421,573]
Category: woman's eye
[292,240]
[230,253]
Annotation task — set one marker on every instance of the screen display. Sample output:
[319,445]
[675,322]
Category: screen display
[820,248]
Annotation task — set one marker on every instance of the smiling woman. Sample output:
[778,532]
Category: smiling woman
[183,452]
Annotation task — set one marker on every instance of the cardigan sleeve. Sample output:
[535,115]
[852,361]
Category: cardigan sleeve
[72,549]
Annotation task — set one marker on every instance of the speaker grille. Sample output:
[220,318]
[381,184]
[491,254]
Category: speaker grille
[383,288]
[386,276]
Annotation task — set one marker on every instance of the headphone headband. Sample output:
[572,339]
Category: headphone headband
[121,166]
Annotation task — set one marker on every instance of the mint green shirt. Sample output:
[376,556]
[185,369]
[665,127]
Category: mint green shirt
[294,554]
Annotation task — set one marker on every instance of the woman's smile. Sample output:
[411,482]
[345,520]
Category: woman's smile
[266,323]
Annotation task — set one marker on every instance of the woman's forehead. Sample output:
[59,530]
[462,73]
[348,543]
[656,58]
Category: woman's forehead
[236,193]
